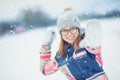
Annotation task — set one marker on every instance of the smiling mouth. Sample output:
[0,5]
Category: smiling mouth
[71,38]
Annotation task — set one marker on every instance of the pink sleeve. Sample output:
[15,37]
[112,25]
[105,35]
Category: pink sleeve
[99,59]
[97,52]
[47,65]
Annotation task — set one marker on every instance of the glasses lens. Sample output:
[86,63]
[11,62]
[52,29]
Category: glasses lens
[73,30]
[64,32]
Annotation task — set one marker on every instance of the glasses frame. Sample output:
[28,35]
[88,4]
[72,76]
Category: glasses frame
[69,31]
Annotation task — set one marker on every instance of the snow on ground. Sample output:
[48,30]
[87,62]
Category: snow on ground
[19,54]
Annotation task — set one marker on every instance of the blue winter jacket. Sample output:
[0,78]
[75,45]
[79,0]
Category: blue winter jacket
[82,66]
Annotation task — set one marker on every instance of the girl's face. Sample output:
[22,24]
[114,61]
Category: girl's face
[69,34]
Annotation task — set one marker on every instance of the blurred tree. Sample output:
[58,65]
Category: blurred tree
[35,17]
[5,27]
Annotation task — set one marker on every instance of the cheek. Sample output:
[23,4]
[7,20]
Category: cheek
[76,35]
[64,38]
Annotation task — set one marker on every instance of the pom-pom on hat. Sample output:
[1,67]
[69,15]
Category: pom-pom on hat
[68,18]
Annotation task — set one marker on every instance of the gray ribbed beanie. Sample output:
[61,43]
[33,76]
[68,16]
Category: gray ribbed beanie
[68,18]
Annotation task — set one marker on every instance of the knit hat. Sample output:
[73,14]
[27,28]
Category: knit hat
[68,18]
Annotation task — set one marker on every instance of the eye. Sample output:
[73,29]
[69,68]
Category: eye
[73,30]
[64,30]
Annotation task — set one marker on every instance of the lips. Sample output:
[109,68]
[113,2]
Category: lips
[71,38]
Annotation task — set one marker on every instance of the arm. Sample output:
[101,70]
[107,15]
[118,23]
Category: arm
[47,65]
[93,39]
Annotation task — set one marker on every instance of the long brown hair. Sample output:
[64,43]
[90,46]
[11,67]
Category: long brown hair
[62,46]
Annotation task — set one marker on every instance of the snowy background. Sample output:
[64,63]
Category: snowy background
[19,54]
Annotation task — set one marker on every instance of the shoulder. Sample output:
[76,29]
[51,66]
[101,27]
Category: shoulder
[83,52]
[80,50]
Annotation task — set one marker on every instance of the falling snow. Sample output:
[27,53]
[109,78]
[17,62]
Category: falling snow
[19,57]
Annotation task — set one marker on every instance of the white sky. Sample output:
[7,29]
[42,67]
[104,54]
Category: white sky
[11,8]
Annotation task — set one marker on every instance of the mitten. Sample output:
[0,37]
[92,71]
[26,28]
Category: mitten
[93,35]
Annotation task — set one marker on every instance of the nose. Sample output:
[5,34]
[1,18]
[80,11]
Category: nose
[69,33]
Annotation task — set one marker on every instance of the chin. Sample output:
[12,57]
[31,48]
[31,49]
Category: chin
[70,42]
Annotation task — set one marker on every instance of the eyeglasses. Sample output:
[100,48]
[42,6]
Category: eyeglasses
[72,30]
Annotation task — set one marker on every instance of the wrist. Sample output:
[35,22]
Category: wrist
[45,49]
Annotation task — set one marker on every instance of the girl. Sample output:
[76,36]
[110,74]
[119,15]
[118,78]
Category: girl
[78,56]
